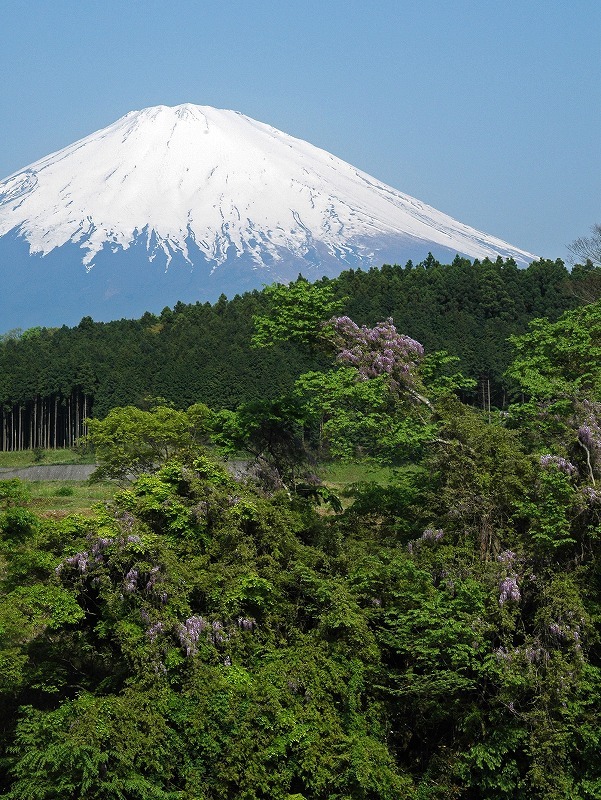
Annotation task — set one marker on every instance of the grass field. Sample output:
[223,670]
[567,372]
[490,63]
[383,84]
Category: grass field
[60,498]
[340,475]
[27,458]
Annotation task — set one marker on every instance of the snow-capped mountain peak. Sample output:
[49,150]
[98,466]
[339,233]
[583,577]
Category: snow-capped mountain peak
[219,193]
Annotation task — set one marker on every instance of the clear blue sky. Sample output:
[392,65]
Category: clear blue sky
[488,110]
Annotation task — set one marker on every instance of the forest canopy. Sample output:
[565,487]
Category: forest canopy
[434,636]
[52,380]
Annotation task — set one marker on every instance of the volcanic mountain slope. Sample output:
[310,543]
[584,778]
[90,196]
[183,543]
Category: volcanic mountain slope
[184,203]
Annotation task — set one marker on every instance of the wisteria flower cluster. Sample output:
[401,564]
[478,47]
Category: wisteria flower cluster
[430,535]
[130,584]
[586,435]
[126,520]
[86,558]
[589,430]
[530,653]
[509,590]
[154,630]
[592,495]
[79,561]
[507,557]
[566,632]
[560,463]
[380,350]
[133,581]
[190,632]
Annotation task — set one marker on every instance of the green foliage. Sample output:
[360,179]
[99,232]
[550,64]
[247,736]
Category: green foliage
[560,359]
[271,431]
[437,373]
[130,441]
[203,352]
[207,637]
[550,507]
[17,523]
[112,747]
[358,419]
[296,312]
[65,491]
[13,492]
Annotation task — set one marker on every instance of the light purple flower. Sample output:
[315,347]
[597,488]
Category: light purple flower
[560,463]
[79,560]
[130,584]
[154,630]
[432,535]
[509,590]
[380,350]
[591,494]
[189,633]
[152,579]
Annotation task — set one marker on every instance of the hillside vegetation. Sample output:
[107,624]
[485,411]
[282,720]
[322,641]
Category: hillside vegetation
[433,636]
[51,380]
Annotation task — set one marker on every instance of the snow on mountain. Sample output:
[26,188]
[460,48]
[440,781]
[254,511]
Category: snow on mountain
[225,201]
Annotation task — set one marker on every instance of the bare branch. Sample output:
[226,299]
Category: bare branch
[588,247]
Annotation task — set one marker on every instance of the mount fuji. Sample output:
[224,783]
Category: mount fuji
[187,202]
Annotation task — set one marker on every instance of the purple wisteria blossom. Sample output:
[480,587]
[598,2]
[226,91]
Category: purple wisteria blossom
[563,632]
[218,634]
[509,590]
[592,495]
[101,543]
[562,464]
[126,520]
[531,653]
[380,350]
[130,584]
[189,633]
[154,630]
[589,430]
[432,535]
[589,435]
[152,578]
[96,555]
[585,434]
[79,561]
[506,557]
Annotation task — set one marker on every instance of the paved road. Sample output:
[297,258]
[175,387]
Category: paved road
[81,472]
[55,472]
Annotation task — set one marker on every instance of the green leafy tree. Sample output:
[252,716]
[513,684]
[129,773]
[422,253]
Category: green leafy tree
[272,432]
[130,441]
[295,312]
